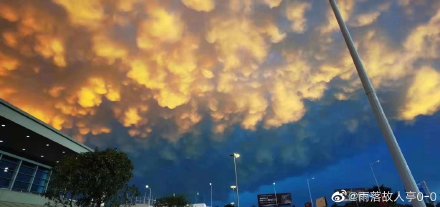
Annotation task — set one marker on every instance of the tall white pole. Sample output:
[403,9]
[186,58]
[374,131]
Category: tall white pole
[196,197]
[149,198]
[210,184]
[236,182]
[275,191]
[233,187]
[374,174]
[145,195]
[399,159]
[310,192]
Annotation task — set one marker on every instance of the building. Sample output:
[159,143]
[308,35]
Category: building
[29,149]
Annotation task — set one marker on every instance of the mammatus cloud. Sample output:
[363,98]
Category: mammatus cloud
[423,44]
[296,12]
[191,72]
[153,50]
[370,17]
[422,94]
[7,64]
[273,3]
[330,25]
[223,68]
[200,5]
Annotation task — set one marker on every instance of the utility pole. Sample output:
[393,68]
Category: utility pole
[393,146]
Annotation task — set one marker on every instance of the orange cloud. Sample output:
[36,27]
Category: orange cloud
[91,94]
[84,12]
[51,48]
[273,3]
[108,49]
[200,5]
[7,63]
[369,18]
[8,13]
[424,39]
[161,26]
[287,106]
[132,117]
[156,62]
[236,38]
[422,97]
[296,12]
[346,8]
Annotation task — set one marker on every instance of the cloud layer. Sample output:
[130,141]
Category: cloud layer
[168,73]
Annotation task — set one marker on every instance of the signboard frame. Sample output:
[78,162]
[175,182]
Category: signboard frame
[268,200]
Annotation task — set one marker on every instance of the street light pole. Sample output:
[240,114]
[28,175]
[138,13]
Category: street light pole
[149,197]
[374,175]
[235,156]
[196,197]
[210,185]
[399,159]
[145,196]
[234,187]
[310,192]
[275,191]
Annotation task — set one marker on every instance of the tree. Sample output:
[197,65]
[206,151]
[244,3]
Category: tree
[125,197]
[89,179]
[170,201]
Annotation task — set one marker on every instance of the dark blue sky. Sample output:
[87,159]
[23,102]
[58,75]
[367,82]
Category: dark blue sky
[418,142]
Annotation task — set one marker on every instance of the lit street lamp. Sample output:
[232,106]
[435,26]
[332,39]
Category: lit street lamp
[149,197]
[233,187]
[210,185]
[196,197]
[310,192]
[374,175]
[275,191]
[235,156]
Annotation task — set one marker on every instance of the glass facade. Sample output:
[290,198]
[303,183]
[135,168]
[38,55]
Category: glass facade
[41,180]
[20,175]
[8,166]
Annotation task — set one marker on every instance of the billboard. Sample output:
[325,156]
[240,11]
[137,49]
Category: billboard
[269,200]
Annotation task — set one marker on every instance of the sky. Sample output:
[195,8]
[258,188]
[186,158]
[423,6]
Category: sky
[180,85]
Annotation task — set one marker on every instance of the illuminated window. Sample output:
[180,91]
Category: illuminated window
[40,181]
[8,166]
[24,176]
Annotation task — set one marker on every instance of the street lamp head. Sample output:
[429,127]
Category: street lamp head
[210,184]
[233,187]
[147,186]
[273,183]
[235,155]
[312,178]
[377,161]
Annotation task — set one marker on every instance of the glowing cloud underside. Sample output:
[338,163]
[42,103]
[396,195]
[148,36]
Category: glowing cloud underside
[232,62]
